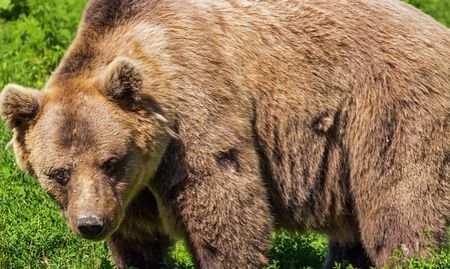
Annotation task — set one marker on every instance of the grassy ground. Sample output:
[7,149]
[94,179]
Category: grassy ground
[33,37]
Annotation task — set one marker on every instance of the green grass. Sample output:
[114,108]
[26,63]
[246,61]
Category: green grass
[34,35]
[438,9]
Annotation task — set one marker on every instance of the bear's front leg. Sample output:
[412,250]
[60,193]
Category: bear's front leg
[344,254]
[138,242]
[144,251]
[223,207]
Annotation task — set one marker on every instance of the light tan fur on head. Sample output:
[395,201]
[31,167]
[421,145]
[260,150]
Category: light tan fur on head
[89,165]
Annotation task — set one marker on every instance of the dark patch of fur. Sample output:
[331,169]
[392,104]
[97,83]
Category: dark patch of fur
[174,166]
[103,15]
[278,151]
[144,206]
[100,17]
[390,124]
[319,186]
[145,254]
[79,59]
[76,133]
[229,157]
[150,104]
[150,249]
[447,158]
[24,151]
[19,106]
[22,116]
[125,86]
[347,254]
[266,170]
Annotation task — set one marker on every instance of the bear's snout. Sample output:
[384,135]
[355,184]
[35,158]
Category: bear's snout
[90,226]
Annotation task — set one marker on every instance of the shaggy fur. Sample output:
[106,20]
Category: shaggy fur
[217,121]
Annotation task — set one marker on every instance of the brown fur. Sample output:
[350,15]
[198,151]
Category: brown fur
[218,121]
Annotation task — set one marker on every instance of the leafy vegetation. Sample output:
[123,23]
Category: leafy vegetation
[439,9]
[34,35]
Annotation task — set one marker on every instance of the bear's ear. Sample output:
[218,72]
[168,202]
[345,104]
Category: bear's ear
[123,82]
[19,105]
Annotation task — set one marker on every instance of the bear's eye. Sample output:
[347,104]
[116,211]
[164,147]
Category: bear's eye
[60,175]
[110,165]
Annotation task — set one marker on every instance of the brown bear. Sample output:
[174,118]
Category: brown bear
[218,121]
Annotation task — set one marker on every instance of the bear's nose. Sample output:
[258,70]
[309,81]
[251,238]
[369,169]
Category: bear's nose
[90,226]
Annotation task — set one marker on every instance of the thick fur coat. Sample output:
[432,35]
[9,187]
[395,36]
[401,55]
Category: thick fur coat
[218,121]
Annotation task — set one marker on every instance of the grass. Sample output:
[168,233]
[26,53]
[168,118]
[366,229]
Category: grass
[439,9]
[34,35]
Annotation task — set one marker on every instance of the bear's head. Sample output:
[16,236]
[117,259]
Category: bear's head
[93,143]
